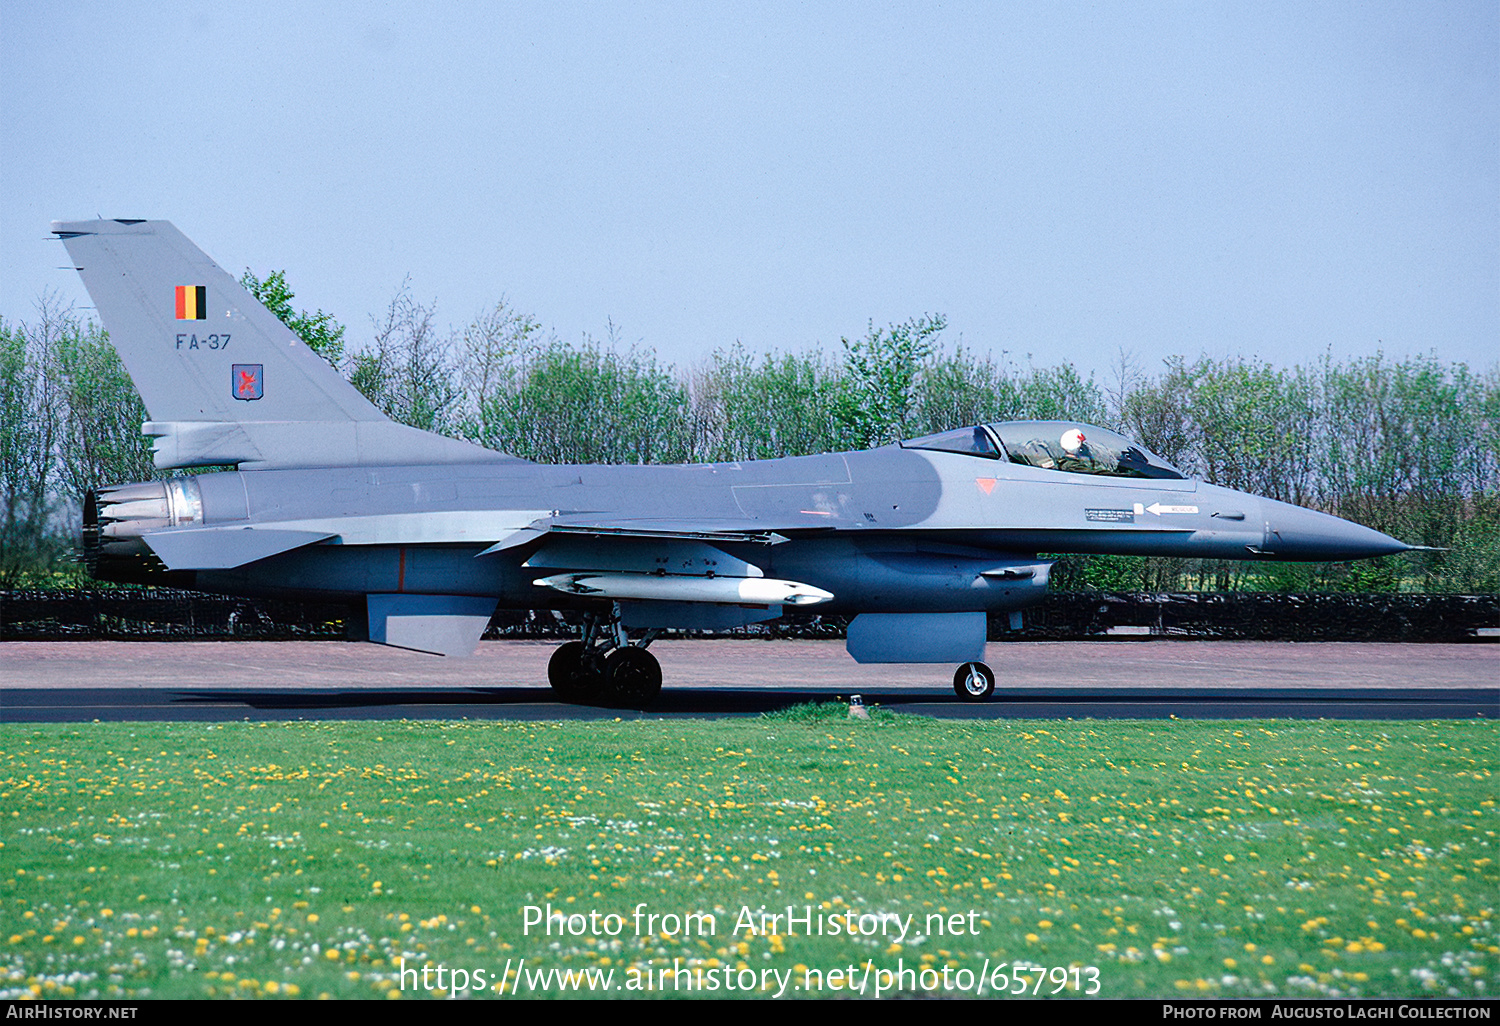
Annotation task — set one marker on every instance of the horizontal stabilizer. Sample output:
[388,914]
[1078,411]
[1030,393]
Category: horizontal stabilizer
[447,625]
[224,548]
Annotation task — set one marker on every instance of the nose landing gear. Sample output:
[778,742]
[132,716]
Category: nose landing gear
[605,668]
[974,682]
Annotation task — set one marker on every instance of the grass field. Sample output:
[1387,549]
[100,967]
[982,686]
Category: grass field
[1142,859]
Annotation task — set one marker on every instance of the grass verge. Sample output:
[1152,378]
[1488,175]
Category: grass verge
[1158,859]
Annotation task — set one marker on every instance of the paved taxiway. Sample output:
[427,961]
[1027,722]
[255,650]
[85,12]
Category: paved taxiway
[81,681]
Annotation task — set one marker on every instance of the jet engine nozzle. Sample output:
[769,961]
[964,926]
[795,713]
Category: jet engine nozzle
[116,516]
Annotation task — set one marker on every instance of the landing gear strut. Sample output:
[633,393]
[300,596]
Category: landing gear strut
[974,682]
[605,668]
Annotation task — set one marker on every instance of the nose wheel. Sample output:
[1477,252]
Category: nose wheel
[974,682]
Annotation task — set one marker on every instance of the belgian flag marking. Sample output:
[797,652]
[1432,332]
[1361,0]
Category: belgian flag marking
[192,302]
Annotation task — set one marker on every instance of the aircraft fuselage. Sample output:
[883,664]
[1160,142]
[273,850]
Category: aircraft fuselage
[889,529]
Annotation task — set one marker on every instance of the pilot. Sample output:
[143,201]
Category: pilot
[1077,457]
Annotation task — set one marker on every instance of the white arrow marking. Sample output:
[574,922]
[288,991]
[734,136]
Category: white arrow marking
[1159,509]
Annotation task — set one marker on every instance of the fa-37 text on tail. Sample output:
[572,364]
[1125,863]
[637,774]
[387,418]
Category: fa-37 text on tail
[428,535]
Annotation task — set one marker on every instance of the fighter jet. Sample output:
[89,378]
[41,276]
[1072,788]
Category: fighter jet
[426,536]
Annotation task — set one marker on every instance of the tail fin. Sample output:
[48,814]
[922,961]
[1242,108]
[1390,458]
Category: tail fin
[223,379]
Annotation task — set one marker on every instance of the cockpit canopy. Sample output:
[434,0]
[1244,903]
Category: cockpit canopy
[1053,445]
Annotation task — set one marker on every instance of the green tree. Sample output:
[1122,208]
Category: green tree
[407,369]
[488,348]
[70,420]
[961,389]
[323,334]
[748,408]
[1253,427]
[27,434]
[1408,447]
[1061,393]
[1155,412]
[958,389]
[99,439]
[587,404]
[880,372]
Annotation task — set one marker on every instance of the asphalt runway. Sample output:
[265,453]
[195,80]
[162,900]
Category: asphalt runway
[57,682]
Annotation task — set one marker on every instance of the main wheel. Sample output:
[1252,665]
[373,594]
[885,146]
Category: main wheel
[572,675]
[974,682]
[632,678]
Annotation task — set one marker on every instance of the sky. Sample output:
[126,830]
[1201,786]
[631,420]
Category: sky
[1062,181]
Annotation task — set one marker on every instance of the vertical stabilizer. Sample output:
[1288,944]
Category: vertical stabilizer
[223,379]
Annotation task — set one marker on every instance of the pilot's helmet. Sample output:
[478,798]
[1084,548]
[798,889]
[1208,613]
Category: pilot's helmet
[1072,440]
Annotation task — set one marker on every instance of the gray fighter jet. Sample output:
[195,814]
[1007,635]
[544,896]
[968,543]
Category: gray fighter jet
[428,535]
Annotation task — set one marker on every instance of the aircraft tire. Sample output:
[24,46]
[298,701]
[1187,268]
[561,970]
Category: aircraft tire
[974,682]
[632,678]
[570,676]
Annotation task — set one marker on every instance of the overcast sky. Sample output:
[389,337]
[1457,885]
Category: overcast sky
[1061,180]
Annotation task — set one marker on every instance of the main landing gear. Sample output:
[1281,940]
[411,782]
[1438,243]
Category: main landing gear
[974,682]
[605,668]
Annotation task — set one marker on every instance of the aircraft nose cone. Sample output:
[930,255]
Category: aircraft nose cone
[1303,534]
